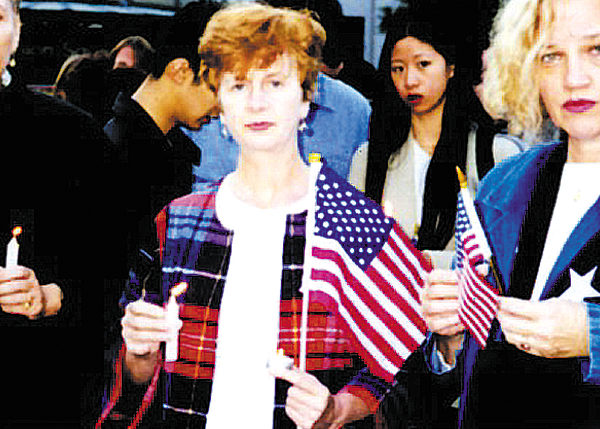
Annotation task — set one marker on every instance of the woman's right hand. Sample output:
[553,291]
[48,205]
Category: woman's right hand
[439,301]
[145,326]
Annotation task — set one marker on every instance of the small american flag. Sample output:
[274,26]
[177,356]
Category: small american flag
[478,299]
[368,266]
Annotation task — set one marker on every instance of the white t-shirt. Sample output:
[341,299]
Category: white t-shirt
[243,391]
[579,189]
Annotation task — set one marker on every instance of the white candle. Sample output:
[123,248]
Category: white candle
[172,319]
[280,362]
[12,250]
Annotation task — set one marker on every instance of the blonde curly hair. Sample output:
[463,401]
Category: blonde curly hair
[511,91]
[249,34]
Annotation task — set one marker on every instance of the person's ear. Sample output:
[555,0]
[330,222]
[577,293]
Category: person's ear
[179,70]
[450,71]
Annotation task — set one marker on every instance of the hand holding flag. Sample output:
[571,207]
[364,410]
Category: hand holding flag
[478,299]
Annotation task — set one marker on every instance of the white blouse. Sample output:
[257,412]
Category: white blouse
[406,168]
[574,199]
[243,391]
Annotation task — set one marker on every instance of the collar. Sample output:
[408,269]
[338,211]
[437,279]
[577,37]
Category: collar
[321,99]
[517,178]
[133,113]
[506,209]
[503,198]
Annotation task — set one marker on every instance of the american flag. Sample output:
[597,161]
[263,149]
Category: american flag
[478,299]
[364,261]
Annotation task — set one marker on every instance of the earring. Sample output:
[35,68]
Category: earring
[12,62]
[6,78]
[302,127]
[224,130]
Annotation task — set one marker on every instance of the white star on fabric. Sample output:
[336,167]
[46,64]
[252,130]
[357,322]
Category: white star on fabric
[348,217]
[581,286]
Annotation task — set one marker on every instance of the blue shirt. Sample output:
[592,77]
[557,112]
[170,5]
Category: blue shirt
[593,312]
[338,124]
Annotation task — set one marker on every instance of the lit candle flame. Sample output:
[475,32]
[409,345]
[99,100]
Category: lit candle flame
[178,289]
[462,180]
[16,231]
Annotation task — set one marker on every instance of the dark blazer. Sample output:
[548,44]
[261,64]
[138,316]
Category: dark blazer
[51,179]
[502,385]
[147,171]
[150,169]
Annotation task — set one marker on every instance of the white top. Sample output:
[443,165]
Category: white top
[574,199]
[403,193]
[404,185]
[406,167]
[243,391]
[421,160]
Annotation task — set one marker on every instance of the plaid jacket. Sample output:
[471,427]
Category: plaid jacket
[196,249]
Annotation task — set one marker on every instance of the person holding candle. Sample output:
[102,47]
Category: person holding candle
[541,214]
[37,118]
[20,291]
[51,301]
[240,245]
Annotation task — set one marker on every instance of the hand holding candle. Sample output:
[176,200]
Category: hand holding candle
[20,292]
[173,319]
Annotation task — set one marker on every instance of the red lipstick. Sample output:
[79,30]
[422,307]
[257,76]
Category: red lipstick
[259,126]
[578,106]
[413,99]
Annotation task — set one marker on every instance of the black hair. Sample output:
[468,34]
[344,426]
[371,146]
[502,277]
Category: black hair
[181,37]
[432,22]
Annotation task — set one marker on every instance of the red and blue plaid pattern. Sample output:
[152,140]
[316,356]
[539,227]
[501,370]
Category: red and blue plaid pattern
[196,249]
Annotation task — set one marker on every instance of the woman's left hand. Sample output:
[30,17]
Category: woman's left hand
[20,292]
[311,406]
[553,328]
[308,401]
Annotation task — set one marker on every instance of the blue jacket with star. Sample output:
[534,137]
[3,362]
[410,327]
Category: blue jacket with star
[502,202]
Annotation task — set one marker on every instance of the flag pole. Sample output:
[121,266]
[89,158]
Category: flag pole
[486,251]
[314,160]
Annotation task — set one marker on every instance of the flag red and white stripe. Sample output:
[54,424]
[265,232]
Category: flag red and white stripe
[478,299]
[366,263]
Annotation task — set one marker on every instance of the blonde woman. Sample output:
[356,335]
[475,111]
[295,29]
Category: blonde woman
[541,213]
